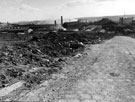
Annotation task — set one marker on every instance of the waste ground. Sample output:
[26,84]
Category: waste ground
[42,54]
[37,59]
[102,73]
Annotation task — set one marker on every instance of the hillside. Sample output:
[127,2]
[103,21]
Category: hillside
[114,18]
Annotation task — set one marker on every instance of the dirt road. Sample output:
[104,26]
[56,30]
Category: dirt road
[103,73]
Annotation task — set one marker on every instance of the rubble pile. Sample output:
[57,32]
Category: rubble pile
[27,55]
[23,54]
[58,44]
[41,52]
[35,53]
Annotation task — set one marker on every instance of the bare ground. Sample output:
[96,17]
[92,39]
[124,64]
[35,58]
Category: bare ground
[102,73]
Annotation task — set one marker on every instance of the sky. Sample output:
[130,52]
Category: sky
[28,10]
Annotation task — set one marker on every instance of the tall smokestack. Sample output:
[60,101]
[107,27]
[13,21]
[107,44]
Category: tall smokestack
[61,20]
[55,22]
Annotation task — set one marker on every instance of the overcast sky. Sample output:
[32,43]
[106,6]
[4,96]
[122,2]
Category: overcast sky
[27,10]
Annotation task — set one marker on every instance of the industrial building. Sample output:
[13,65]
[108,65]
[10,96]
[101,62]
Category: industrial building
[126,20]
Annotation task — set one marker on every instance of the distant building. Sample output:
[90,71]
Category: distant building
[126,20]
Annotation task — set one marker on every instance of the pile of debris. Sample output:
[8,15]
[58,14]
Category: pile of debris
[58,44]
[40,53]
[24,54]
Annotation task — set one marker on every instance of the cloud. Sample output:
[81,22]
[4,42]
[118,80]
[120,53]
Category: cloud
[28,8]
[21,13]
[76,8]
[74,3]
[87,8]
[18,1]
[10,3]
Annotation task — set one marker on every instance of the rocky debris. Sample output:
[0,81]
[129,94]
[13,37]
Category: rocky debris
[41,51]
[23,54]
[58,44]
[37,52]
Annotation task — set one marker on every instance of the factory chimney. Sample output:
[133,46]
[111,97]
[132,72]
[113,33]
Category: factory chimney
[61,20]
[55,22]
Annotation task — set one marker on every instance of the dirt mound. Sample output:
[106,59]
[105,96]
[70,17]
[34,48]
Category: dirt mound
[37,52]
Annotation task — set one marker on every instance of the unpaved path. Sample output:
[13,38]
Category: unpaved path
[104,73]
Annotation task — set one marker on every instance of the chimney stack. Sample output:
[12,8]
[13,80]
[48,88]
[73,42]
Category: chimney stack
[61,20]
[55,22]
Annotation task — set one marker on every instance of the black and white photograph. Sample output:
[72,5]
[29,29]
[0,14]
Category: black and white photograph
[67,50]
